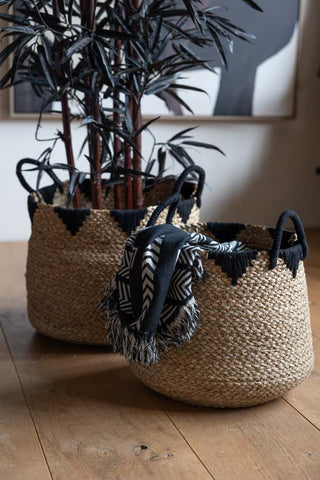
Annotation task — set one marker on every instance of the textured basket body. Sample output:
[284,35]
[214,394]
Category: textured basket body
[72,257]
[255,341]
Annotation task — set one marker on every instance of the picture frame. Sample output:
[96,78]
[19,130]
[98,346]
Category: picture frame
[8,99]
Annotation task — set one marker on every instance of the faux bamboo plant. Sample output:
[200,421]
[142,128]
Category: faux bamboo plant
[104,57]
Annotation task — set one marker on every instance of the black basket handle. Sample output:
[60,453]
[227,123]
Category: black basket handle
[275,250]
[31,161]
[183,177]
[173,200]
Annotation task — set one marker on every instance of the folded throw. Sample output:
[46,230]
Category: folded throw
[150,305]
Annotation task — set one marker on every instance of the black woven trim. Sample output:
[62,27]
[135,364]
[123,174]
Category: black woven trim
[290,254]
[287,235]
[72,218]
[185,207]
[47,193]
[32,207]
[188,188]
[291,257]
[85,188]
[225,232]
[234,264]
[129,220]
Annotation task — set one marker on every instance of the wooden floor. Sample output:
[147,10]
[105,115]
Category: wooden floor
[77,413]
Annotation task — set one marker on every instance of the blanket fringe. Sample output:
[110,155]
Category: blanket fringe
[146,349]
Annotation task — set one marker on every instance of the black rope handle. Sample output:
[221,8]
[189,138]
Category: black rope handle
[173,200]
[183,177]
[23,181]
[275,250]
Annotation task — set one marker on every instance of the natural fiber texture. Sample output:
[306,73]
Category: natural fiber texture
[150,305]
[159,191]
[255,338]
[71,259]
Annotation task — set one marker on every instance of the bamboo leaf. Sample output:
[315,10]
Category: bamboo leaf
[105,64]
[87,121]
[77,47]
[20,29]
[187,87]
[202,145]
[4,80]
[15,19]
[76,179]
[61,6]
[150,165]
[162,156]
[180,134]
[218,44]
[179,100]
[46,67]
[70,10]
[253,4]
[8,50]
[145,126]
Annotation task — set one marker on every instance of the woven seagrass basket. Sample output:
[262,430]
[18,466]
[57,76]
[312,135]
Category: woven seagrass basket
[74,253]
[255,339]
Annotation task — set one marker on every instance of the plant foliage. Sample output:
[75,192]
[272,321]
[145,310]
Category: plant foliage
[103,58]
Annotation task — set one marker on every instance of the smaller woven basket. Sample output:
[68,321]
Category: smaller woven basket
[255,339]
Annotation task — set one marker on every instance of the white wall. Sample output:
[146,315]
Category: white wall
[268,167]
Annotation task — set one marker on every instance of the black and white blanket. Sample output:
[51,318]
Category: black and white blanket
[149,304]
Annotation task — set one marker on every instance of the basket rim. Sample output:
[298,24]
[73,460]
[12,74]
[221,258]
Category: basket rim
[47,194]
[287,236]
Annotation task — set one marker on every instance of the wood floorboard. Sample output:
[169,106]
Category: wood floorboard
[313,239]
[314,297]
[312,266]
[306,397]
[21,456]
[271,441]
[94,418]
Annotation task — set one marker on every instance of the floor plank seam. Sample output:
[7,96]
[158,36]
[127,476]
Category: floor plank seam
[301,414]
[26,401]
[184,438]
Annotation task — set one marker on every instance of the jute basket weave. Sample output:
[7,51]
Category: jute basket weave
[255,341]
[73,254]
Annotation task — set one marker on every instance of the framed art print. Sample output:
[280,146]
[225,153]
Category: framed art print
[258,82]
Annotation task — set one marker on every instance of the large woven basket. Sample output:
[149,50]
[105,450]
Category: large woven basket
[74,253]
[255,341]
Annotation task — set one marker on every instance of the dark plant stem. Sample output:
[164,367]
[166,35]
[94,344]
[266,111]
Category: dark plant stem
[68,142]
[117,155]
[96,141]
[137,179]
[96,184]
[128,164]
[127,146]
[116,119]
[128,178]
[66,121]
[137,117]
[93,108]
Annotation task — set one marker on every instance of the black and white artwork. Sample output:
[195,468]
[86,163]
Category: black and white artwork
[260,79]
